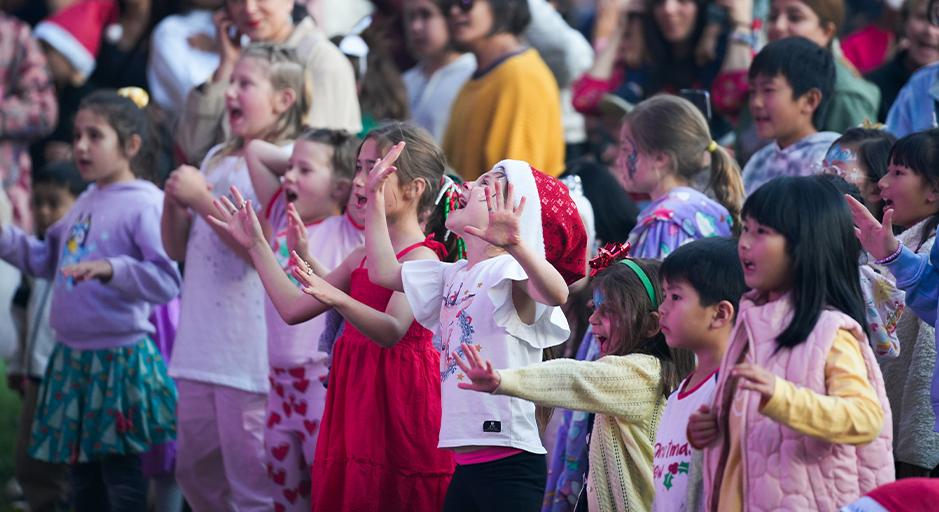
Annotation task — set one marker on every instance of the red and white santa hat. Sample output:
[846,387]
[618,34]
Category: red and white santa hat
[550,222]
[75,31]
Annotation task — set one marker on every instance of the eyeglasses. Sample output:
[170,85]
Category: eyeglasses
[464,5]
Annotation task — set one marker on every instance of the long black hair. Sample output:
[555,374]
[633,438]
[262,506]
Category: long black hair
[813,217]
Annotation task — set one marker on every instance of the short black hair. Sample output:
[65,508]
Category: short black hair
[804,64]
[711,266]
[62,174]
[512,16]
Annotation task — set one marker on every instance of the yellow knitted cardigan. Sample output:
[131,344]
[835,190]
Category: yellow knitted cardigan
[625,394]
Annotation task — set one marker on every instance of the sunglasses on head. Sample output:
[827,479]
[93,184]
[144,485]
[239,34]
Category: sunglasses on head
[464,5]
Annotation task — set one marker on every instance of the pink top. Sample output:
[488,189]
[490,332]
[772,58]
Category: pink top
[488,454]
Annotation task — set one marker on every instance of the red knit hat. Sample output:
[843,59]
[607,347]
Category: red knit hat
[75,31]
[561,239]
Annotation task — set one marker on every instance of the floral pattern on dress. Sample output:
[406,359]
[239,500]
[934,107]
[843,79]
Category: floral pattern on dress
[680,216]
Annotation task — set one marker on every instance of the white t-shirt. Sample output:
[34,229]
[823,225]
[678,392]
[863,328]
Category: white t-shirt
[222,336]
[329,241]
[474,306]
[431,97]
[672,454]
[176,66]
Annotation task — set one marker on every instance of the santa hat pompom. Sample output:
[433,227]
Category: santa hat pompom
[75,31]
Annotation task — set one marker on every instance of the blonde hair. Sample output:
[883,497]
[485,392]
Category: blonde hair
[284,71]
[674,126]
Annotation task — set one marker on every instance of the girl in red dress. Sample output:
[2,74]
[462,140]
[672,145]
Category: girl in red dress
[377,447]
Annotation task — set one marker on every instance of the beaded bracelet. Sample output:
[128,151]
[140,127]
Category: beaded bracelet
[893,257]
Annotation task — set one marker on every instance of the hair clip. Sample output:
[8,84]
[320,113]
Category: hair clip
[135,94]
[608,255]
[446,183]
[872,125]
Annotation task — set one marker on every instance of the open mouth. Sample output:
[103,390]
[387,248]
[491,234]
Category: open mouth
[360,201]
[235,114]
[290,196]
[748,266]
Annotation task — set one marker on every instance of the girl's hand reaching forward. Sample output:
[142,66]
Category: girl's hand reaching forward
[297,240]
[482,376]
[239,219]
[504,229]
[876,238]
[315,286]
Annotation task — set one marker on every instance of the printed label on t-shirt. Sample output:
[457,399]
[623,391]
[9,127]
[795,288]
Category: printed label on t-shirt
[492,426]
[675,460]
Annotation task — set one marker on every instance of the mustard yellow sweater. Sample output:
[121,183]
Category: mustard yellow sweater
[513,111]
[624,393]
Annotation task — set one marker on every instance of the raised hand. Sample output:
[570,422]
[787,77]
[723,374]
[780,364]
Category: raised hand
[240,221]
[87,270]
[702,428]
[504,228]
[229,48]
[876,238]
[480,373]
[297,240]
[315,286]
[383,168]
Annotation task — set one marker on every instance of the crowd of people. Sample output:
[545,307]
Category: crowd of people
[471,255]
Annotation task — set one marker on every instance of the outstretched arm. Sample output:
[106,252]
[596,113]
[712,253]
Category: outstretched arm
[242,225]
[383,267]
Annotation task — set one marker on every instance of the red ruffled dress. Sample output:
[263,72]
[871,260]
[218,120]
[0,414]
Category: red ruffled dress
[377,450]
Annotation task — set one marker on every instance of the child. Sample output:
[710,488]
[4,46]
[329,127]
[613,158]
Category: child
[626,388]
[105,397]
[860,157]
[666,146]
[220,356]
[377,442]
[54,189]
[910,190]
[791,81]
[503,298]
[304,215]
[702,284]
[800,393]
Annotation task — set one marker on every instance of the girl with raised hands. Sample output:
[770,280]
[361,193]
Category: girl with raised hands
[377,442]
[525,243]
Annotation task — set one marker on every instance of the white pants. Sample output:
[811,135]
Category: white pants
[220,448]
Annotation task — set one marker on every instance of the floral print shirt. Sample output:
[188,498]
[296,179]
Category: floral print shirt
[680,216]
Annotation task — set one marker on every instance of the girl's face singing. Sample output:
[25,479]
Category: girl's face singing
[425,28]
[676,19]
[99,155]
[474,210]
[252,103]
[910,196]
[308,182]
[766,264]
[634,169]
[602,324]
[794,18]
[369,153]
[842,160]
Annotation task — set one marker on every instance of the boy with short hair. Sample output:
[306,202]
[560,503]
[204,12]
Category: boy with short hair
[791,82]
[702,283]
[54,190]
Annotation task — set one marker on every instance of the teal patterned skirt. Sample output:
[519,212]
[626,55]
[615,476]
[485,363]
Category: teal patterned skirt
[95,403]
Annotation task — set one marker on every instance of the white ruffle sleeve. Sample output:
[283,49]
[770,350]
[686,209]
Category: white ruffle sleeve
[550,327]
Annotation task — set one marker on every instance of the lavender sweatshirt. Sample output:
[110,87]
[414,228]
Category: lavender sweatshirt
[121,224]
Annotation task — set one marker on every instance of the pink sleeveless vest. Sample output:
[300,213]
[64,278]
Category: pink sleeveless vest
[784,469]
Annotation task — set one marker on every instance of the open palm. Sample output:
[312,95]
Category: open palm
[504,227]
[876,237]
[480,373]
[381,171]
[240,221]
